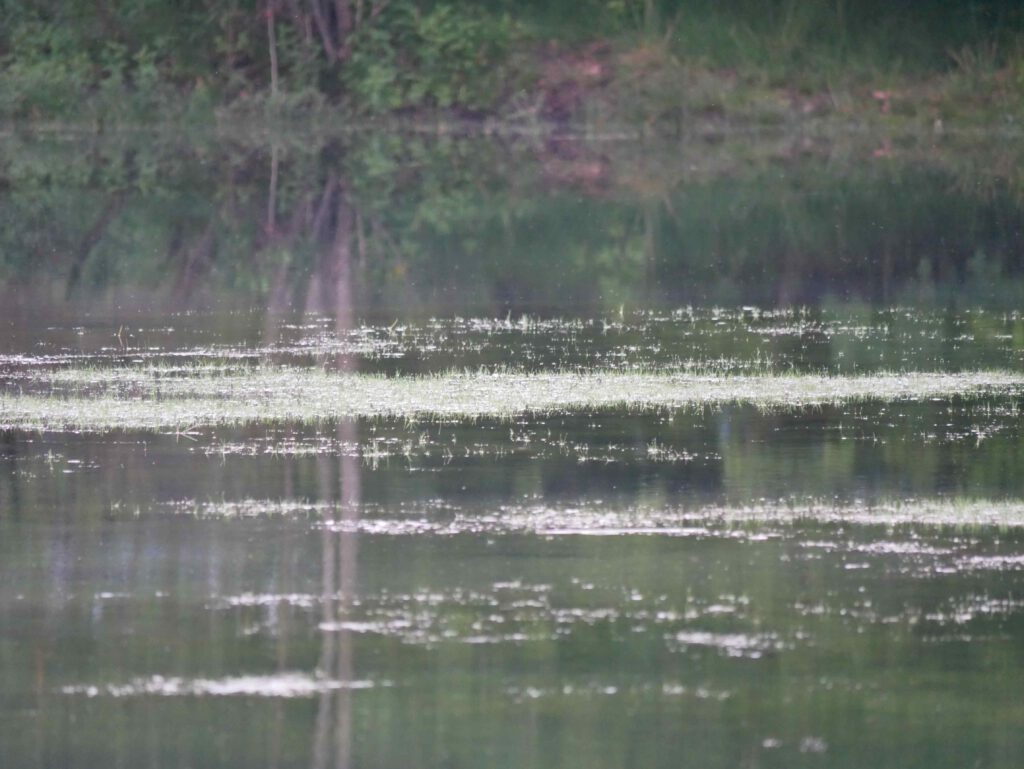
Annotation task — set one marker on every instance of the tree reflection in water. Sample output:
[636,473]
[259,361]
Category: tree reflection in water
[331,293]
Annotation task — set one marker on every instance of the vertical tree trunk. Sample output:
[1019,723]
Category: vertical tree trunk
[344,26]
[324,30]
[272,43]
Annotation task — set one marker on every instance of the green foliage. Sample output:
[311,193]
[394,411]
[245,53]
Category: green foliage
[136,59]
[67,58]
[439,57]
[44,71]
[127,55]
[812,42]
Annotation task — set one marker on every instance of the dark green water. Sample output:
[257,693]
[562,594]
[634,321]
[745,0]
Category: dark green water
[566,590]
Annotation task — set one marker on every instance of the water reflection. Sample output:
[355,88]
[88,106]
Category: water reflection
[330,292]
[656,582]
[484,227]
[339,573]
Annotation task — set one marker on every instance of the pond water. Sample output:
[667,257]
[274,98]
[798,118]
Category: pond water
[393,451]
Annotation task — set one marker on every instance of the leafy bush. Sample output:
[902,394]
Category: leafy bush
[439,57]
[43,71]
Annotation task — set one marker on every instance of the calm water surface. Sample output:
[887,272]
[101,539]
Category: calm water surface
[837,586]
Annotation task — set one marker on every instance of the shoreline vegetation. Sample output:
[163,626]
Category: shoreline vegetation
[483,156]
[609,68]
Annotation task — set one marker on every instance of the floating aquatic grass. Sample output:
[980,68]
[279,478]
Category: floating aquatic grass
[284,685]
[442,519]
[182,398]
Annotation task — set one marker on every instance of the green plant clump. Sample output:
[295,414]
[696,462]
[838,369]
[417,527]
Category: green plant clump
[439,58]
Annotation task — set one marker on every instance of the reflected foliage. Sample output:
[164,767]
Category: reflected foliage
[510,226]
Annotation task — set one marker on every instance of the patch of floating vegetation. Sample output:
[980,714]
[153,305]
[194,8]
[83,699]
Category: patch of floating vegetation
[285,685]
[594,689]
[735,341]
[157,398]
[445,519]
[752,646]
[319,445]
[302,600]
[422,447]
[517,613]
[968,609]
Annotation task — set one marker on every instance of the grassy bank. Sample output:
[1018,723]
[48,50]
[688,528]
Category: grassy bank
[657,66]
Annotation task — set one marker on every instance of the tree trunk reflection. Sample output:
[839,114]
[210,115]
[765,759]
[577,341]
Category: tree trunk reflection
[333,285]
